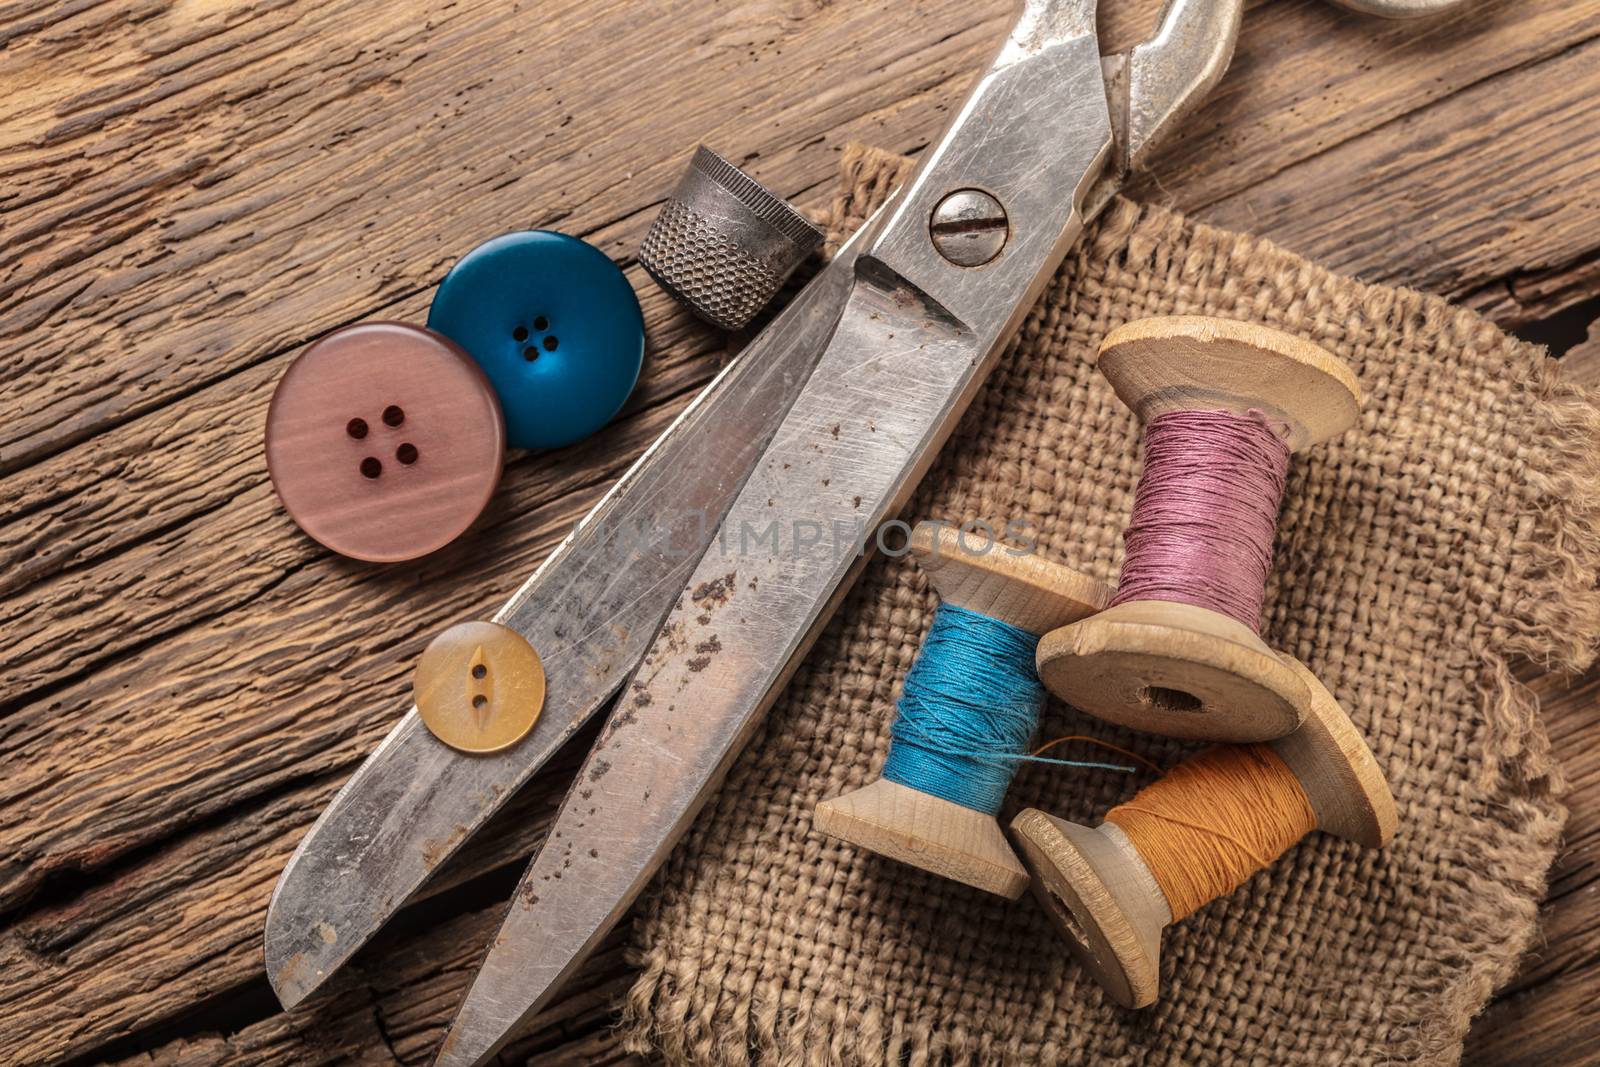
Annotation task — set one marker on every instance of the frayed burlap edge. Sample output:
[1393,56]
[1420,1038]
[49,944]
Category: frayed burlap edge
[1551,617]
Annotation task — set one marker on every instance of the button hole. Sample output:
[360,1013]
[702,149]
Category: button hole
[480,701]
[393,416]
[519,334]
[530,353]
[406,453]
[541,324]
[371,467]
[356,428]
[550,343]
[479,670]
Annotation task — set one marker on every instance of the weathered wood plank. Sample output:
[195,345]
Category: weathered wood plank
[29,536]
[186,578]
[160,181]
[180,925]
[1393,205]
[188,179]
[174,568]
[198,187]
[1529,296]
[153,475]
[233,707]
[1582,363]
[130,575]
[1561,1027]
[396,1014]
[44,499]
[1286,100]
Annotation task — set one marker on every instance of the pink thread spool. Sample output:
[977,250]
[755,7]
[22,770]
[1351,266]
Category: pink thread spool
[1178,652]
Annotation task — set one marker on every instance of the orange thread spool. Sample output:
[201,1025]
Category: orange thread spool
[1195,835]
[1215,820]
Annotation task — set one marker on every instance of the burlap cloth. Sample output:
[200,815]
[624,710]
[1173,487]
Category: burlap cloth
[1451,533]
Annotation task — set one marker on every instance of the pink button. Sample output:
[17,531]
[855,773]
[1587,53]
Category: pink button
[384,441]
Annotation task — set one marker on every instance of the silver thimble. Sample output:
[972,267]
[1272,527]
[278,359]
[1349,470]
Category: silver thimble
[723,244]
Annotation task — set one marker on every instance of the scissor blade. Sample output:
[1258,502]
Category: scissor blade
[590,611]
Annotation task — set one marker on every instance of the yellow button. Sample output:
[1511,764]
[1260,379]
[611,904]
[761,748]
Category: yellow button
[479,687]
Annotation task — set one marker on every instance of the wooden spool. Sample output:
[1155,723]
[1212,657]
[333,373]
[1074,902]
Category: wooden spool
[930,832]
[1172,668]
[1102,894]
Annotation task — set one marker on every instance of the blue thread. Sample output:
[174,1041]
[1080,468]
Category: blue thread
[969,707]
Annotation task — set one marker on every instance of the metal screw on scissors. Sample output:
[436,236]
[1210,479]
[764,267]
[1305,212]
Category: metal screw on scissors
[969,227]
[832,413]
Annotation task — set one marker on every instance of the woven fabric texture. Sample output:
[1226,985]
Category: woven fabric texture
[1418,556]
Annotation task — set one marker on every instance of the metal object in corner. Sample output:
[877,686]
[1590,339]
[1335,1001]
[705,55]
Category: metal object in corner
[723,244]
[1400,9]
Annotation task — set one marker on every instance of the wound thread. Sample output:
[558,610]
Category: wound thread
[1215,820]
[1205,513]
[970,704]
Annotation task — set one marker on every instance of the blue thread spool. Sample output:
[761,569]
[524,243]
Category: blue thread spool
[971,702]
[967,710]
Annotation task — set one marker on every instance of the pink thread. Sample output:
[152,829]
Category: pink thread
[1205,513]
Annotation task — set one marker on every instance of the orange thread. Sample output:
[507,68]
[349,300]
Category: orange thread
[1215,820]
[1048,745]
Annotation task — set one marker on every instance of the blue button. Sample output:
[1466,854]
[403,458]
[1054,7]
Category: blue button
[556,327]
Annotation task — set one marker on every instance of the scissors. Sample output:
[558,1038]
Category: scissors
[831,415]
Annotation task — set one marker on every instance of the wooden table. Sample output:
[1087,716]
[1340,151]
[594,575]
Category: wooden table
[193,189]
